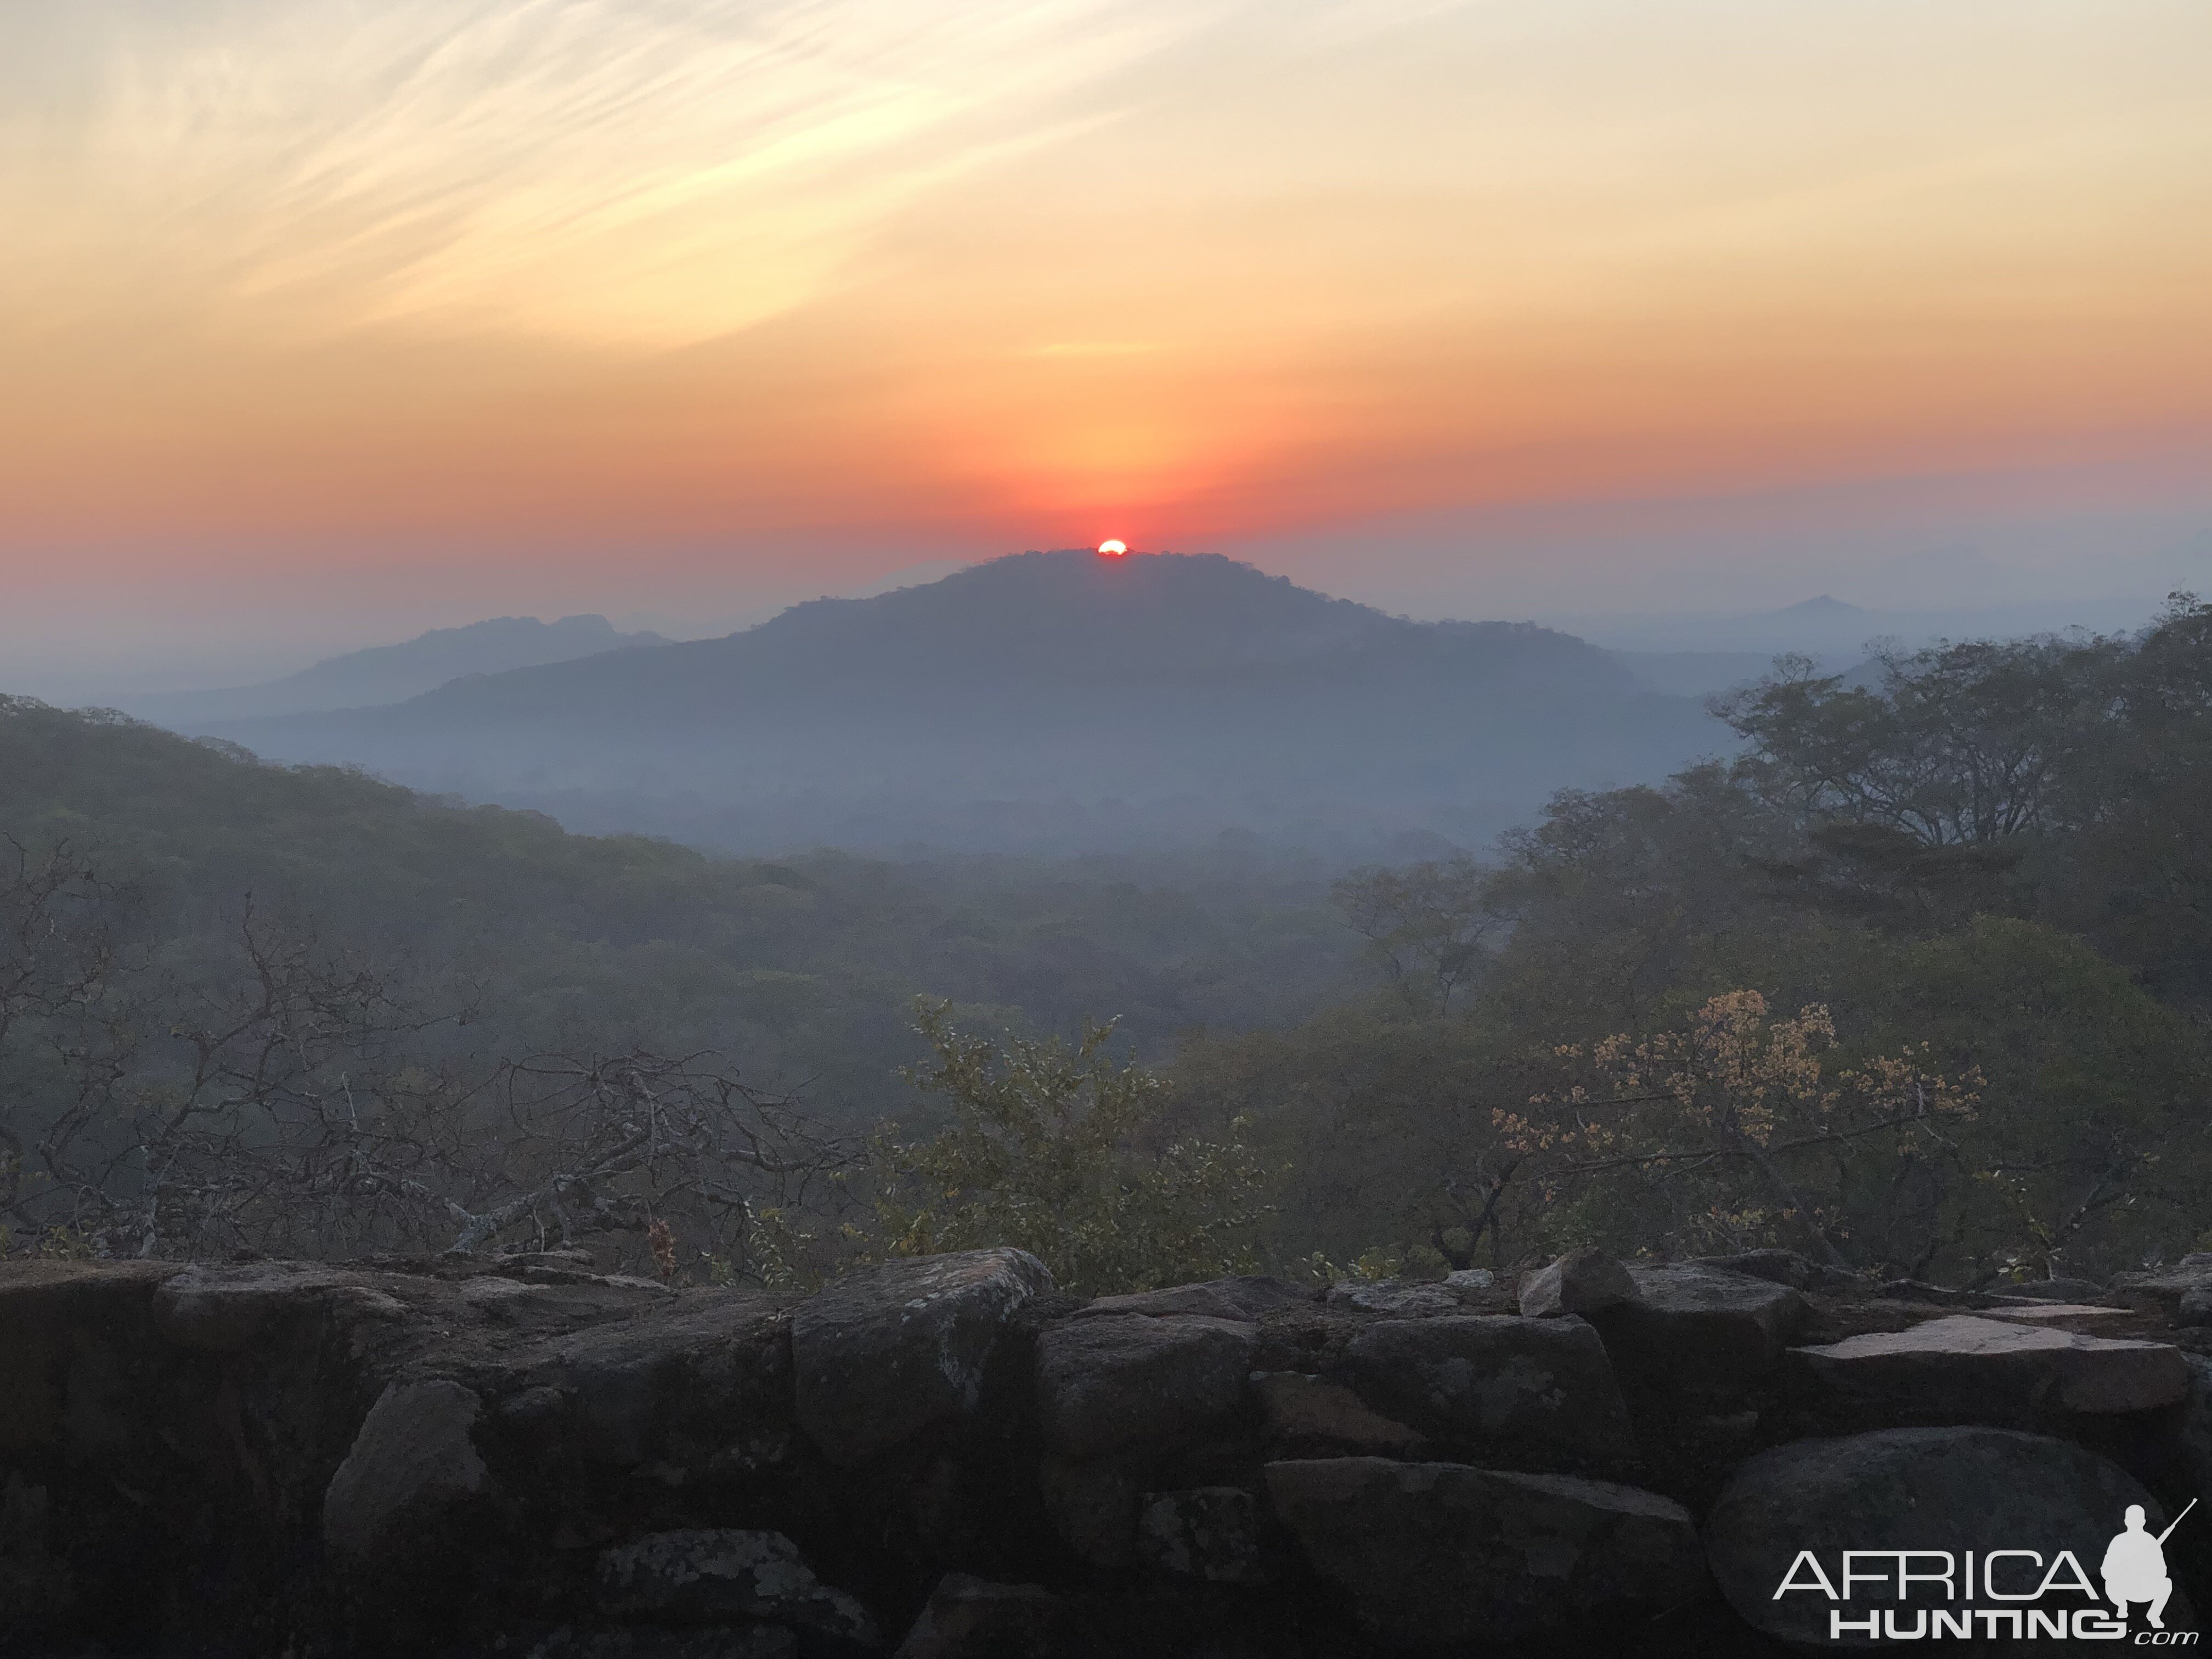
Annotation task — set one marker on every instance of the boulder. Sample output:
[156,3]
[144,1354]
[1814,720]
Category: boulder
[2194,1306]
[970,1618]
[1209,1532]
[884,1354]
[2172,1285]
[1700,1331]
[1441,1557]
[701,1383]
[1580,1282]
[231,1307]
[719,1573]
[2023,1312]
[413,1456]
[2191,1429]
[1396,1297]
[1937,1296]
[1935,1489]
[1777,1266]
[1527,1392]
[1093,1508]
[1984,1367]
[1246,1297]
[55,1316]
[1298,1407]
[2051,1290]
[1121,1381]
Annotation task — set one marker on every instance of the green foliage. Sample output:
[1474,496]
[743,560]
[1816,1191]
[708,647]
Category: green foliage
[1065,1152]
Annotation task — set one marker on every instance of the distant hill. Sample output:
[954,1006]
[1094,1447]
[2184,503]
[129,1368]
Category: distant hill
[1050,701]
[392,673]
[1837,634]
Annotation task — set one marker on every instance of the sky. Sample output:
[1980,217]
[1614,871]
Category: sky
[323,321]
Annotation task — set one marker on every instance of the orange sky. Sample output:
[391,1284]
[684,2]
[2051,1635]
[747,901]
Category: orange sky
[574,302]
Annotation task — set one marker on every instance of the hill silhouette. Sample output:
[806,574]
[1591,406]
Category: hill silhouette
[392,673]
[1044,701]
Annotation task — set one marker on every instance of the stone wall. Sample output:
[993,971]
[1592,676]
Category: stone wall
[945,1457]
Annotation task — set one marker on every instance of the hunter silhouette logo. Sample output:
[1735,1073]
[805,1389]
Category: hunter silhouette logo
[2135,1567]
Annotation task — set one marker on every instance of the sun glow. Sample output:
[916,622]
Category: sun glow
[1113,549]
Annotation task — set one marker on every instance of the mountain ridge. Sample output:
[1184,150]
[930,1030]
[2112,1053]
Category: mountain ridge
[1149,689]
[382,674]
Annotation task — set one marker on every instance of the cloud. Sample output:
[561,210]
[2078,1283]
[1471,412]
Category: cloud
[610,172]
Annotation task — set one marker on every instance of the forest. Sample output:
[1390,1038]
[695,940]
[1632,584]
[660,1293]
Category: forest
[1916,979]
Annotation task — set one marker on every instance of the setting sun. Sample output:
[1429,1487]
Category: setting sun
[1113,549]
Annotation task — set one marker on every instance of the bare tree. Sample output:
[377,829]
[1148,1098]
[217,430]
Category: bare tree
[1430,926]
[292,1100]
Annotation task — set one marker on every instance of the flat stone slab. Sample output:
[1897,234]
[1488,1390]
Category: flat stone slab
[1296,1406]
[1525,1391]
[1247,1296]
[1440,1557]
[1699,1330]
[1128,1380]
[2047,1313]
[882,1353]
[1964,1358]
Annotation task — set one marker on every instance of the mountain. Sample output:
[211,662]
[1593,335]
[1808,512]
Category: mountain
[1837,634]
[1047,701]
[394,673]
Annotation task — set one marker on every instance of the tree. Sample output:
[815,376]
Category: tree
[1066,1153]
[288,1099]
[1726,1132]
[1429,927]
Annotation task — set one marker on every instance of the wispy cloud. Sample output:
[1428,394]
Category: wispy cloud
[654,173]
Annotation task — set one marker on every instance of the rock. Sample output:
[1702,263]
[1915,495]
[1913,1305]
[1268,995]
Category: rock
[230,1308]
[1093,1507]
[2051,1290]
[1209,1532]
[1123,1380]
[1524,1390]
[1700,1331]
[2050,1313]
[970,1618]
[1775,1267]
[645,1642]
[1940,1296]
[882,1353]
[697,1382]
[1580,1282]
[2191,1425]
[1470,1278]
[1963,1363]
[1297,1407]
[1246,1297]
[414,1456]
[1441,1557]
[1937,1489]
[2191,1273]
[721,1573]
[1394,1297]
[2194,1306]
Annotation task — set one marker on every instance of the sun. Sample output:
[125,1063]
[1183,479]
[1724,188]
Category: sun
[1113,549]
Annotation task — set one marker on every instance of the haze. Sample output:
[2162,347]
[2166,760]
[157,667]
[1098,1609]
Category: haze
[323,327]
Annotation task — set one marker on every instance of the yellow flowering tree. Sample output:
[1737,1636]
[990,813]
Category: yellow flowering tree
[1738,1129]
